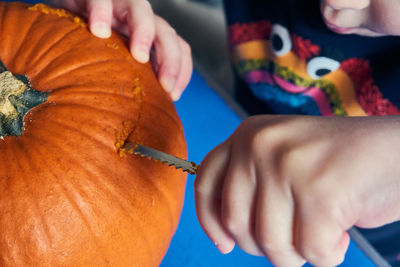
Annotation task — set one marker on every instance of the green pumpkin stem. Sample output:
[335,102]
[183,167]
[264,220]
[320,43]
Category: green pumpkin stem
[17,98]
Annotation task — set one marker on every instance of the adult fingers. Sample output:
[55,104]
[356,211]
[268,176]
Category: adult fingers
[168,54]
[185,70]
[274,222]
[238,203]
[319,237]
[100,17]
[208,186]
[141,22]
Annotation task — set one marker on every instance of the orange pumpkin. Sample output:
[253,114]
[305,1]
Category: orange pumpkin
[68,101]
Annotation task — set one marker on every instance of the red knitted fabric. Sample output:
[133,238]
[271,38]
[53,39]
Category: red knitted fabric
[368,94]
[303,48]
[240,32]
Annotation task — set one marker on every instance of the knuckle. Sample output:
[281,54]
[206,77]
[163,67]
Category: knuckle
[165,26]
[320,256]
[258,139]
[310,194]
[201,185]
[271,246]
[310,253]
[278,252]
[234,225]
[147,5]
[172,71]
[186,49]
[170,31]
[144,36]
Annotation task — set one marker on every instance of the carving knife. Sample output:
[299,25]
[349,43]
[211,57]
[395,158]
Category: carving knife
[151,153]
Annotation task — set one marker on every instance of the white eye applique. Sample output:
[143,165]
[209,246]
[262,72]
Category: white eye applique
[280,40]
[320,66]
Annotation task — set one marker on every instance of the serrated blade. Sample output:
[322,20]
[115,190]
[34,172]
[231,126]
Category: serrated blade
[151,153]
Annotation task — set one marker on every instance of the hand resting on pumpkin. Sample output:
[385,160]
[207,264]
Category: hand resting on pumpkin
[288,187]
[135,19]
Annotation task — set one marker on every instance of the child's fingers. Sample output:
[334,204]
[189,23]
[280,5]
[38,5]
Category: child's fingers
[186,69]
[141,22]
[208,186]
[319,237]
[100,17]
[274,222]
[238,203]
[169,54]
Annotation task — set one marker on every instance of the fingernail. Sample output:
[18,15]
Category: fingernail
[141,54]
[221,248]
[175,95]
[101,29]
[168,85]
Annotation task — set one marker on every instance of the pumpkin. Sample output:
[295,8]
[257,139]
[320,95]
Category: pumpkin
[68,101]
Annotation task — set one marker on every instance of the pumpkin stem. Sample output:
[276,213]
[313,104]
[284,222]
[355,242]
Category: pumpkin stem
[17,98]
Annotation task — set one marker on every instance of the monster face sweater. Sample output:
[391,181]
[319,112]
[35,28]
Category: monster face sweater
[294,64]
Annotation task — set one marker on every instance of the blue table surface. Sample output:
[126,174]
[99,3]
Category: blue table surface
[208,121]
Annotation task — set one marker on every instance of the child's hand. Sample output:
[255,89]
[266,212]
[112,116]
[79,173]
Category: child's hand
[135,18]
[288,187]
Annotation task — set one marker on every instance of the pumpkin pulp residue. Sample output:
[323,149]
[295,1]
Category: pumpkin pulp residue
[113,45]
[17,98]
[58,12]
[129,126]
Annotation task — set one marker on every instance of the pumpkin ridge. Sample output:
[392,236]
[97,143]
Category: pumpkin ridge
[13,204]
[16,22]
[171,117]
[25,35]
[2,7]
[70,199]
[132,133]
[108,95]
[118,97]
[115,193]
[84,106]
[93,89]
[63,53]
[89,137]
[66,96]
[65,71]
[40,37]
[28,192]
[21,160]
[103,85]
[65,108]
[116,196]
[39,56]
[62,13]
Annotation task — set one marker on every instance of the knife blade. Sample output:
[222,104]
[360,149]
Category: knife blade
[151,153]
